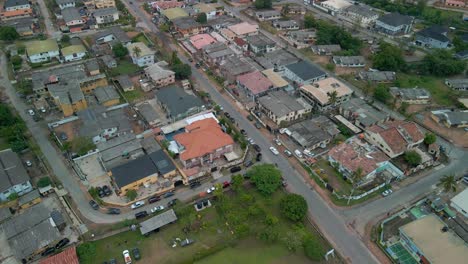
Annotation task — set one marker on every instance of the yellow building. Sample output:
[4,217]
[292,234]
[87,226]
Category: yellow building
[104,3]
[107,95]
[143,171]
[29,199]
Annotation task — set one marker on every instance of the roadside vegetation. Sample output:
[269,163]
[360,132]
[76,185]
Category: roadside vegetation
[12,130]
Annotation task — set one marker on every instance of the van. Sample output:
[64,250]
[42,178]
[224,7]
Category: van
[141,214]
[298,153]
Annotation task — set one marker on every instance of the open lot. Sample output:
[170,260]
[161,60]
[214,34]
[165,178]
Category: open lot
[441,94]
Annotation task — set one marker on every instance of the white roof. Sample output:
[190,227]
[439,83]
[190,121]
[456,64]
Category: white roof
[337,4]
[461,200]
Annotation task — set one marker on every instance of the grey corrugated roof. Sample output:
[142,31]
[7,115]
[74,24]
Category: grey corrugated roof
[278,57]
[5,213]
[98,118]
[12,3]
[134,170]
[105,11]
[57,217]
[12,171]
[124,81]
[162,161]
[177,100]
[280,103]
[157,221]
[106,93]
[116,31]
[185,22]
[22,222]
[31,196]
[366,114]
[361,10]
[260,40]
[395,19]
[92,65]
[64,1]
[310,132]
[305,70]
[435,32]
[70,14]
[148,112]
[410,93]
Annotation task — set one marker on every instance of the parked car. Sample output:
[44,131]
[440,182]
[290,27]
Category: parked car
[28,163]
[288,153]
[100,192]
[93,204]
[258,125]
[136,253]
[63,136]
[31,112]
[186,242]
[248,163]
[169,194]
[62,243]
[259,157]
[226,184]
[226,114]
[194,185]
[251,141]
[127,258]
[298,153]
[274,150]
[308,153]
[154,199]
[172,203]
[257,148]
[107,190]
[235,169]
[113,211]
[243,132]
[141,214]
[387,192]
[43,110]
[210,189]
[157,209]
[250,118]
[278,142]
[137,204]
[48,251]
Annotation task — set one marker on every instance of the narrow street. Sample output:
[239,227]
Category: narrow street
[50,29]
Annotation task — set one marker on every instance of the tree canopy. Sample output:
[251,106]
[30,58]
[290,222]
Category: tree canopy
[263,4]
[382,94]
[266,177]
[119,50]
[389,58]
[441,63]
[201,18]
[12,129]
[413,158]
[8,33]
[449,184]
[131,194]
[294,207]
[429,138]
[182,71]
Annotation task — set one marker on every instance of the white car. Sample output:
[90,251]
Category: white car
[157,209]
[28,163]
[137,204]
[251,141]
[274,150]
[127,258]
[278,142]
[43,110]
[31,112]
[211,189]
[387,192]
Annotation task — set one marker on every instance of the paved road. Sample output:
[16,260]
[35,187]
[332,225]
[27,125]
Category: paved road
[50,29]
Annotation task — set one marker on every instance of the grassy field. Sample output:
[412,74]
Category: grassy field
[141,38]
[238,235]
[134,95]
[441,94]
[124,67]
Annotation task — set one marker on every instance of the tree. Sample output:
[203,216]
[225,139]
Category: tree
[292,241]
[12,196]
[16,61]
[429,138]
[263,4]
[182,71]
[237,182]
[332,97]
[313,249]
[131,194]
[81,145]
[8,33]
[201,18]
[294,207]
[175,59]
[218,192]
[382,94]
[448,183]
[119,50]
[389,58]
[266,177]
[136,51]
[285,10]
[44,182]
[65,39]
[309,21]
[441,63]
[413,158]
[357,175]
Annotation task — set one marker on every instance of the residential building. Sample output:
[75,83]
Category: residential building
[457,84]
[140,53]
[65,3]
[455,3]
[429,240]
[241,43]
[201,40]
[112,36]
[159,74]
[202,143]
[361,14]
[178,103]
[394,24]
[261,44]
[73,19]
[356,155]
[325,49]
[377,76]
[13,5]
[265,15]
[211,10]
[29,199]
[333,7]
[277,59]
[68,256]
[254,84]
[394,137]
[108,61]
[411,95]
[16,14]
[349,61]
[460,203]
[276,79]
[13,175]
[301,38]
[143,171]
[286,24]
[244,29]
[222,21]
[171,14]
[103,3]
[295,10]
[361,114]
[451,118]
[326,93]
[433,37]
[42,50]
[73,53]
[214,54]
[24,26]
[282,108]
[107,96]
[125,82]
[106,15]
[233,67]
[159,6]
[314,133]
[303,72]
[92,67]
[149,113]
[187,26]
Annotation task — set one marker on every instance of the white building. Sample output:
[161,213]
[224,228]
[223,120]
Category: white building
[106,15]
[460,203]
[12,5]
[42,50]
[13,176]
[333,6]
[65,3]
[73,53]
[361,14]
[141,54]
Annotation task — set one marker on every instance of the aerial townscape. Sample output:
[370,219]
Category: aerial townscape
[233,131]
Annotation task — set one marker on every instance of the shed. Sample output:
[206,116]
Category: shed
[58,219]
[29,199]
[157,222]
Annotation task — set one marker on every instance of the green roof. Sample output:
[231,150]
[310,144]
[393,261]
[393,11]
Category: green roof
[73,49]
[41,46]
[174,13]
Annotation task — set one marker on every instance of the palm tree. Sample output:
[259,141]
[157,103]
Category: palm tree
[332,97]
[136,51]
[357,175]
[449,183]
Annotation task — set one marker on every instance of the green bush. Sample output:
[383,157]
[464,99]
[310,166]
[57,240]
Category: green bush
[43,182]
[131,195]
[266,177]
[313,249]
[86,252]
[294,207]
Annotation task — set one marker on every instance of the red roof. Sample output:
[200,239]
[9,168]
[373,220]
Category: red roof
[202,137]
[398,134]
[240,42]
[68,256]
[256,82]
[201,40]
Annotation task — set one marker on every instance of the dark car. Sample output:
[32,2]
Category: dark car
[250,118]
[62,243]
[235,169]
[171,202]
[48,251]
[141,214]
[226,184]
[186,242]
[227,115]
[168,194]
[243,132]
[248,163]
[194,185]
[258,125]
[154,199]
[259,157]
[136,253]
[113,211]
[100,192]
[94,205]
[107,190]
[257,147]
